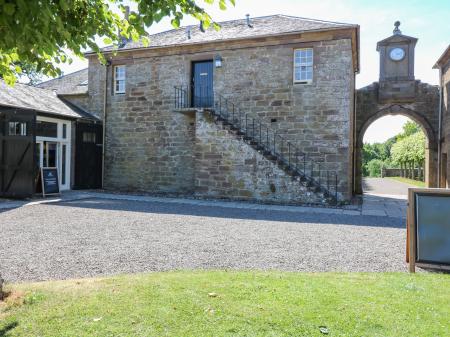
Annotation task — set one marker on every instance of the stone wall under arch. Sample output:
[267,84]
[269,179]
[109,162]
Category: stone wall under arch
[423,108]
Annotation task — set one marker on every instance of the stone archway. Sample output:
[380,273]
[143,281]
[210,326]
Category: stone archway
[430,147]
[423,109]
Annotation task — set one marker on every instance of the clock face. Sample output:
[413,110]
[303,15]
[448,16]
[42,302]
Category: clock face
[397,54]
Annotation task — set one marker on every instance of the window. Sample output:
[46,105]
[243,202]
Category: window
[303,65]
[119,79]
[46,129]
[89,137]
[64,131]
[17,128]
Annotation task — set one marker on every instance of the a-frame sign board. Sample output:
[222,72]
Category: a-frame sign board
[428,228]
[50,181]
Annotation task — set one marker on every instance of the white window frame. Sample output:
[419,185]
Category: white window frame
[60,141]
[119,80]
[12,128]
[304,60]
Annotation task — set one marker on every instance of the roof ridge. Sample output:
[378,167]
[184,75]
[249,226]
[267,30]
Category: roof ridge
[317,20]
[260,17]
[57,78]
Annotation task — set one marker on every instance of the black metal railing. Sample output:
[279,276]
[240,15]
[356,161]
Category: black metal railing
[312,173]
[194,96]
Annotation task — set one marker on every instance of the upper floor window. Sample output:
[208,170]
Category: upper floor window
[17,128]
[119,79]
[303,65]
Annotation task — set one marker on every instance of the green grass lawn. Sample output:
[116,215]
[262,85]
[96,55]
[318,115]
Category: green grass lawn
[408,181]
[221,303]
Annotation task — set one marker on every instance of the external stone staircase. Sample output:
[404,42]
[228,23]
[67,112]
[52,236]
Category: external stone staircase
[274,147]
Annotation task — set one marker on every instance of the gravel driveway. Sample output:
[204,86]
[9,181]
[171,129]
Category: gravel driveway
[101,237]
[385,186]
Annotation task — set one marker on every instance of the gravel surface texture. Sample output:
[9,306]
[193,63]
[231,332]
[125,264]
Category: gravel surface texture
[102,237]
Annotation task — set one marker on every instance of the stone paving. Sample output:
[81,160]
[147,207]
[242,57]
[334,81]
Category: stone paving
[384,205]
[376,205]
[373,205]
[384,197]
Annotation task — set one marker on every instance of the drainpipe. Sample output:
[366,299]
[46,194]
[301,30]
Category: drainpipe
[355,141]
[105,96]
[440,129]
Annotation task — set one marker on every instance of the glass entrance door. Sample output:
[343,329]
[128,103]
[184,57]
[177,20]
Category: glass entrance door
[39,154]
[54,154]
[50,154]
[53,139]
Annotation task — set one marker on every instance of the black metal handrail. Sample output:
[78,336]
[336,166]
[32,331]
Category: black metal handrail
[265,139]
[194,96]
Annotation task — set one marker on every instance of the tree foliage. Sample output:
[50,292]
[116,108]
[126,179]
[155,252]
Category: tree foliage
[376,152]
[410,149]
[42,32]
[406,148]
[374,167]
[409,128]
[30,75]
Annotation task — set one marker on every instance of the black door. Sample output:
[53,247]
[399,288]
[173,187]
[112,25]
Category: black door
[17,157]
[88,155]
[202,82]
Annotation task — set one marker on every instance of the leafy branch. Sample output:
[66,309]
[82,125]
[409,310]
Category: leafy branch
[43,32]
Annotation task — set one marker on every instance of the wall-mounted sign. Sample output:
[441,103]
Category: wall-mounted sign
[428,223]
[50,181]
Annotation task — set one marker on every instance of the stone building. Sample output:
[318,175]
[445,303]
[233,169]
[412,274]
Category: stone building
[443,64]
[264,109]
[167,110]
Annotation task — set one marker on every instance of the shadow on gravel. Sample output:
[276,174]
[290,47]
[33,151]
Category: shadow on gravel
[232,213]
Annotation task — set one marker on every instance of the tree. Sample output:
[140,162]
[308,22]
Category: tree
[30,73]
[377,151]
[374,167]
[410,153]
[409,128]
[42,32]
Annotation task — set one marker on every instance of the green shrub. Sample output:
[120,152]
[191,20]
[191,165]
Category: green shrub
[374,167]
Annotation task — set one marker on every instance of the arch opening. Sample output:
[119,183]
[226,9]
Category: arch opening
[413,168]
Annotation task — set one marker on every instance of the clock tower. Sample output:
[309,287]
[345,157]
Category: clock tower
[397,82]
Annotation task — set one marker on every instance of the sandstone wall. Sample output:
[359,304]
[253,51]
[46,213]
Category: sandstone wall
[150,147]
[316,117]
[96,86]
[82,102]
[227,167]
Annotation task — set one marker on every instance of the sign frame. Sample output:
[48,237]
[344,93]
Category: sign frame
[411,226]
[43,184]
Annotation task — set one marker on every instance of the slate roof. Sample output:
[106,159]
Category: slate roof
[70,84]
[236,29]
[41,100]
[443,58]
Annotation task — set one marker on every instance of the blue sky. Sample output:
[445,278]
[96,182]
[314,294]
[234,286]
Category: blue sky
[428,20]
